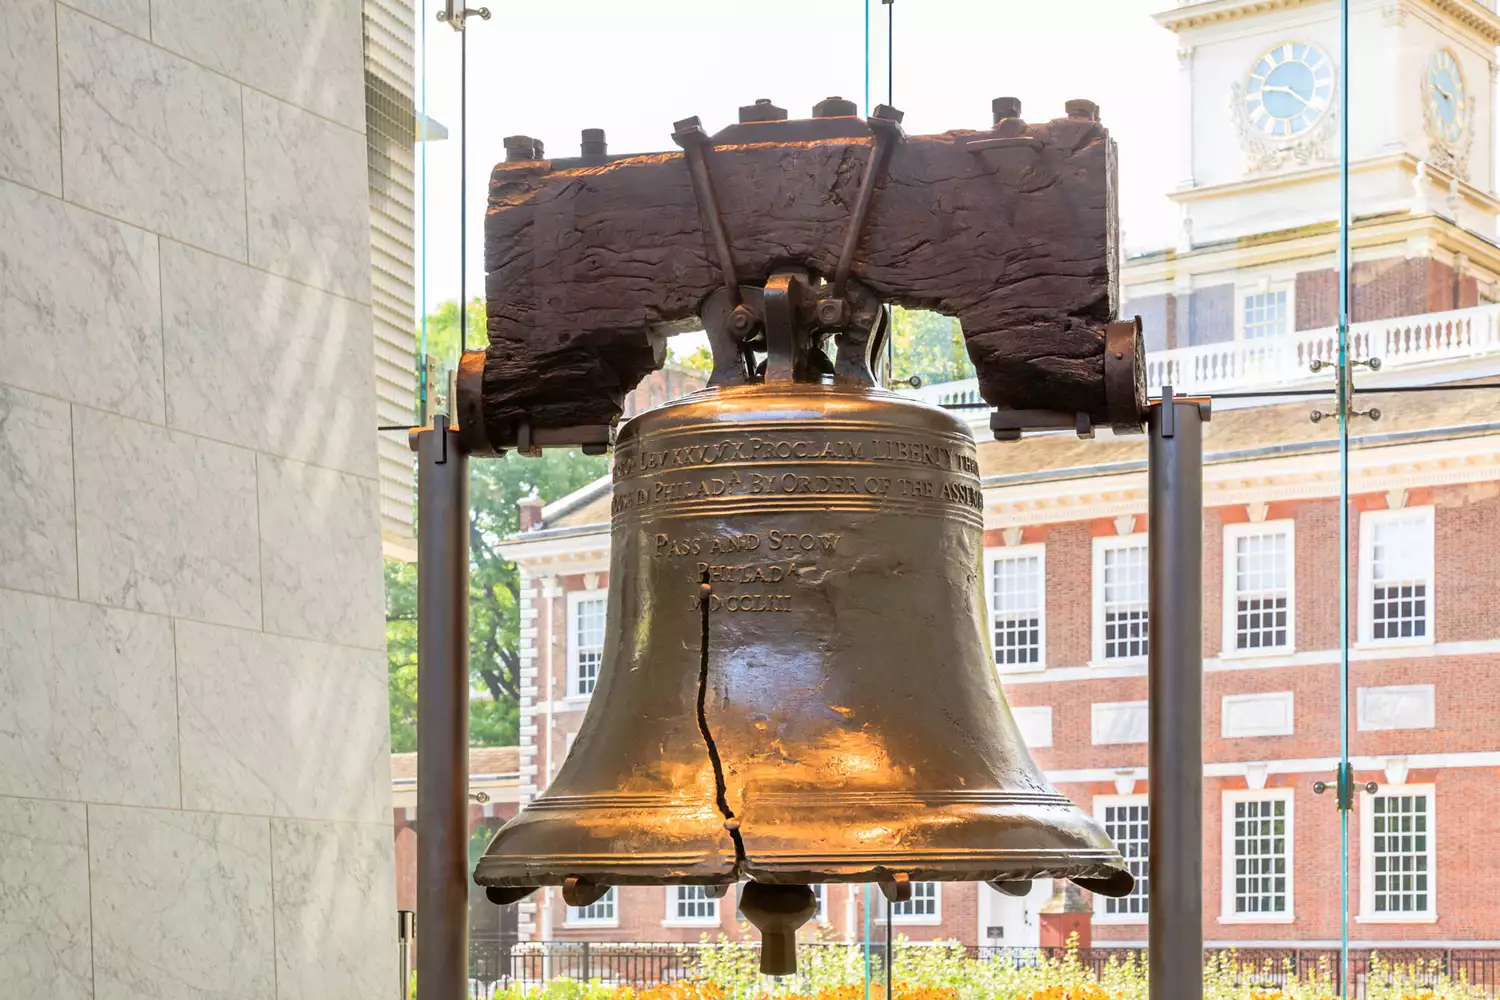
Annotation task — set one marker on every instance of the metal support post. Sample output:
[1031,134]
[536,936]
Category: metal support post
[1175,513]
[442,712]
[403,956]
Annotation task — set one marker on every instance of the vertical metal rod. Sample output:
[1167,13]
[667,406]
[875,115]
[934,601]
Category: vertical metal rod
[1342,370]
[1175,782]
[442,712]
[403,956]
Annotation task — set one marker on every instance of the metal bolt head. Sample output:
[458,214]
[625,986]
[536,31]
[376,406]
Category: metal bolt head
[1082,109]
[762,111]
[1005,107]
[834,107]
[519,148]
[741,321]
[833,314]
[887,113]
[593,143]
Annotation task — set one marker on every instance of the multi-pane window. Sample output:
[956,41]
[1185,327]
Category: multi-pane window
[1127,824]
[820,893]
[1259,578]
[1122,591]
[1259,857]
[923,904]
[1016,601]
[1265,314]
[1400,854]
[693,903]
[1398,575]
[587,635]
[601,911]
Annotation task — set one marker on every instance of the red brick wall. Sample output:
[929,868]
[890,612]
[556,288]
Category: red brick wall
[1467,719]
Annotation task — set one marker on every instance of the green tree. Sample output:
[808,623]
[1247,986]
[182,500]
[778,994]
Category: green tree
[929,345]
[496,486]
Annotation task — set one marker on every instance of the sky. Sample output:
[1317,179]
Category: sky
[551,69]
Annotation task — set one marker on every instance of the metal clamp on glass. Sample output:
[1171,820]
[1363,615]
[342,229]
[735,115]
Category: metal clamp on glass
[1345,786]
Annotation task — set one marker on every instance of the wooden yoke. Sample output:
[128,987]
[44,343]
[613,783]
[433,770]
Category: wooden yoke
[591,262]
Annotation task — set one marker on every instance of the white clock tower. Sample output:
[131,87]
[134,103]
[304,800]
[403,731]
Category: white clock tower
[1258,181]
[1260,110]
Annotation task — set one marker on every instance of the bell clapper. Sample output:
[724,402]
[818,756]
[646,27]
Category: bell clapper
[777,911]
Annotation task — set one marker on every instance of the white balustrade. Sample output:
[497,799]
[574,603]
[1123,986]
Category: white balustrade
[1241,365]
[1399,342]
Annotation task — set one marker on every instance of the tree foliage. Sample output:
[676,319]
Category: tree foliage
[496,486]
[929,345]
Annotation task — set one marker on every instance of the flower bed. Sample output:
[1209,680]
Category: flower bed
[728,970]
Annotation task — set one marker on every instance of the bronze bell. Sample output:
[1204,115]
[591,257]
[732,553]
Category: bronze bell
[797,683]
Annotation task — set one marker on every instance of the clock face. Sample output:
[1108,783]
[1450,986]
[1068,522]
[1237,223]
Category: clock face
[1447,101]
[1289,89]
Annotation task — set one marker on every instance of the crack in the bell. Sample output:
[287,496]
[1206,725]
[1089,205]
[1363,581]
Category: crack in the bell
[721,790]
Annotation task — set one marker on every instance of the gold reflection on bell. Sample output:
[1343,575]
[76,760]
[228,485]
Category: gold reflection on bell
[797,683]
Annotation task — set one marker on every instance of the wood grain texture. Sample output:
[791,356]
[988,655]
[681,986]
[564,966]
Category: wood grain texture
[1016,239]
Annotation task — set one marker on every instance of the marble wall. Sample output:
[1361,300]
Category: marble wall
[194,760]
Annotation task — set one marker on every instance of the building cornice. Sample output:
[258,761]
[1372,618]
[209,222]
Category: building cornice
[1467,455]
[1256,183]
[1482,22]
[1198,15]
[1367,237]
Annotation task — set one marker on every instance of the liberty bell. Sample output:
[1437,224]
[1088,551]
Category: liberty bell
[797,683]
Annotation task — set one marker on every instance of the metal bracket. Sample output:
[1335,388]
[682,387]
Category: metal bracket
[695,142]
[1344,786]
[1009,424]
[457,17]
[1318,364]
[885,122]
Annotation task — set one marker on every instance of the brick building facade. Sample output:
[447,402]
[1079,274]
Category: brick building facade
[1065,537]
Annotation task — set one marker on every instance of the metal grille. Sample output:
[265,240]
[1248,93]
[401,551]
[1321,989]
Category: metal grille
[1261,574]
[601,910]
[1399,853]
[1125,607]
[1127,826]
[694,903]
[1016,609]
[1260,871]
[923,901]
[1399,557]
[588,643]
[1265,315]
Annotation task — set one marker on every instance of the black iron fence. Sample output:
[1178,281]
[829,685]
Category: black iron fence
[494,964]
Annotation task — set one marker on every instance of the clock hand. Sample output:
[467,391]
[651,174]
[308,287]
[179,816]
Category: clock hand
[1282,90]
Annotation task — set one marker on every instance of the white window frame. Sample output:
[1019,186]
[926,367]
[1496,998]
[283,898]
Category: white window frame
[1367,914]
[1227,915]
[570,623]
[1101,903]
[1102,543]
[1367,522]
[918,919]
[1012,552]
[1232,534]
[820,893]
[671,919]
[1264,287]
[572,915]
